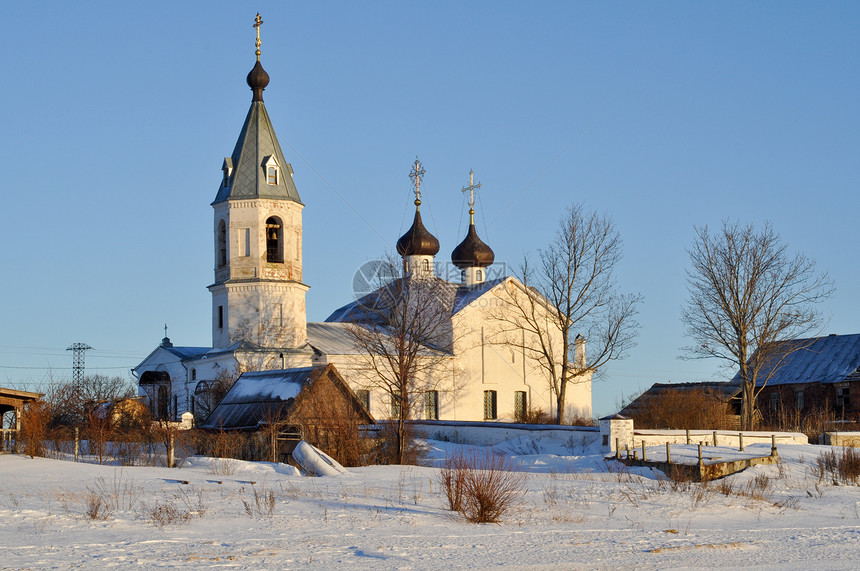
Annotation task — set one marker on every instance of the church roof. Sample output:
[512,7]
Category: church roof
[358,311]
[257,147]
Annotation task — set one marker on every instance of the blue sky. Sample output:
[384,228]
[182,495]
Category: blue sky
[116,118]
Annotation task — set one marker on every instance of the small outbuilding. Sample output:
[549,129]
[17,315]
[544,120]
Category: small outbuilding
[13,401]
[313,404]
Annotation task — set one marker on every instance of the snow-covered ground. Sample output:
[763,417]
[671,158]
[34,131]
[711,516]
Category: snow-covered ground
[577,512]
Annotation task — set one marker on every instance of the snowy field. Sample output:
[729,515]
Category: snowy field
[578,512]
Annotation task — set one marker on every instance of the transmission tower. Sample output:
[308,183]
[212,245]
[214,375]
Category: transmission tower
[78,352]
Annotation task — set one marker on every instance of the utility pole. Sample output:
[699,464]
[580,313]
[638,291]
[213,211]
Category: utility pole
[78,352]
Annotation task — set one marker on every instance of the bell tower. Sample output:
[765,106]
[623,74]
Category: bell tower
[258,294]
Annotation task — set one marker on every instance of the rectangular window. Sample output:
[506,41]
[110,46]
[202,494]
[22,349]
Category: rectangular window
[395,407]
[774,401]
[798,400]
[520,406]
[431,405]
[244,242]
[490,411]
[220,317]
[364,396]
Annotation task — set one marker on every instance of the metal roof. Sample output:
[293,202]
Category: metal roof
[257,395]
[332,339]
[828,359]
[358,311]
[257,142]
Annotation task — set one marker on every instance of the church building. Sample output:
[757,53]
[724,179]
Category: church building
[259,319]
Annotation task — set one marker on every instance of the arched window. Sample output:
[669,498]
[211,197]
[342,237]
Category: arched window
[163,403]
[274,240]
[222,244]
[426,265]
[463,276]
[479,276]
[272,175]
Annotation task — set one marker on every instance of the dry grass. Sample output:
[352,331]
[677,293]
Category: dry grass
[838,468]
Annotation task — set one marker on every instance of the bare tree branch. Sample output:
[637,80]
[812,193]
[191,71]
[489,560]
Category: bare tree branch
[569,298]
[747,297]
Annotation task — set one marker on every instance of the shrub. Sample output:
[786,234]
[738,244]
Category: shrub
[839,468]
[34,427]
[697,409]
[481,487]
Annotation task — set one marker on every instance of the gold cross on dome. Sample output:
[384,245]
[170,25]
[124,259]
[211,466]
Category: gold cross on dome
[257,23]
[417,175]
[471,190]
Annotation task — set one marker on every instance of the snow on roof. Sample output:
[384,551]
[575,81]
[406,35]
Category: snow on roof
[829,359]
[257,395]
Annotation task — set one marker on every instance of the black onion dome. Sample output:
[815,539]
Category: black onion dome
[258,79]
[472,252]
[418,241]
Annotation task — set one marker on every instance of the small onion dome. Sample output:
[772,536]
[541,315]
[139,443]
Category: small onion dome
[472,252]
[418,241]
[258,79]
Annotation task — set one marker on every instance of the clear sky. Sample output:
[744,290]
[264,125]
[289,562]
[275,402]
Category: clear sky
[117,116]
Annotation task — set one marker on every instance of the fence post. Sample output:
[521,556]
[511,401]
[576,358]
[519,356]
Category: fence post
[77,442]
[668,457]
[741,441]
[715,438]
[688,436]
[773,444]
[274,447]
[170,456]
[617,450]
[700,454]
[644,459]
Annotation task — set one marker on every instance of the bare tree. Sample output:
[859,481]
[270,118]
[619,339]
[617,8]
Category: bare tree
[749,297]
[403,331]
[576,301]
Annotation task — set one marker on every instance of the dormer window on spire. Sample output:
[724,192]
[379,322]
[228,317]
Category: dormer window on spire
[227,169]
[273,169]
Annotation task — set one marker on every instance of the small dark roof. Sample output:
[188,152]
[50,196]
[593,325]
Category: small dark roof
[725,390]
[257,395]
[830,359]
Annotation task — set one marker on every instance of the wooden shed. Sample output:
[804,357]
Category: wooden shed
[13,401]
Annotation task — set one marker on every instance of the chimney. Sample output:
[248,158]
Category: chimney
[579,351]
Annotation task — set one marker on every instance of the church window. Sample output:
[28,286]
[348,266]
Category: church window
[431,405]
[425,265]
[272,175]
[220,317]
[490,409]
[274,241]
[479,276]
[163,402]
[463,276]
[395,407]
[193,374]
[520,406]
[222,244]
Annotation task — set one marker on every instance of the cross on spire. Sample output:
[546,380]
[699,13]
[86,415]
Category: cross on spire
[257,23]
[165,330]
[471,190]
[417,175]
